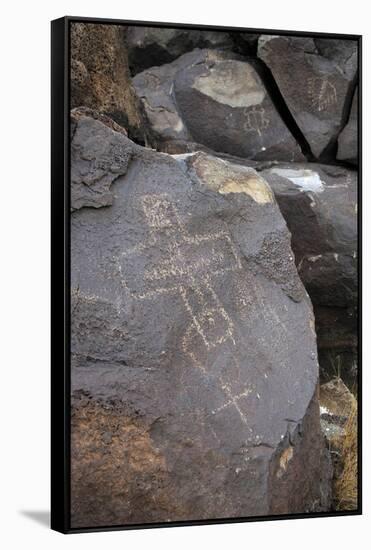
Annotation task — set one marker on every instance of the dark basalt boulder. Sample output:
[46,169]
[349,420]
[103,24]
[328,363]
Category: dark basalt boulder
[151,46]
[319,204]
[216,99]
[194,363]
[315,77]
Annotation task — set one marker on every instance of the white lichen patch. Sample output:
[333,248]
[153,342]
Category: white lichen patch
[232,83]
[307,180]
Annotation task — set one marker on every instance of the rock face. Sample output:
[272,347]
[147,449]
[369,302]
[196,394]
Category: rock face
[100,77]
[348,139]
[194,363]
[319,204]
[315,77]
[151,46]
[218,100]
[95,163]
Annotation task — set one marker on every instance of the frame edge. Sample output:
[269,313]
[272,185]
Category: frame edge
[60,447]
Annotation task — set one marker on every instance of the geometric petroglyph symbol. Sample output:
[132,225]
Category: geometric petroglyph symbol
[233,400]
[175,274]
[209,325]
[322,93]
[256,121]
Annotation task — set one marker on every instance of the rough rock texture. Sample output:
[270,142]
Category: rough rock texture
[319,204]
[100,77]
[348,139]
[97,159]
[194,363]
[151,46]
[218,100]
[315,77]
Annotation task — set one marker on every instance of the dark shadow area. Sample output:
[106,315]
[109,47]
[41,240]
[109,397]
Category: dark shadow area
[42,517]
[282,108]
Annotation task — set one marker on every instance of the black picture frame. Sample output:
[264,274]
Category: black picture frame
[60,273]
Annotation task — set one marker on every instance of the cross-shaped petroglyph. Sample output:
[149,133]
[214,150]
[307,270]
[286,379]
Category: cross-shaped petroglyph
[322,93]
[210,325]
[233,400]
[191,281]
[255,120]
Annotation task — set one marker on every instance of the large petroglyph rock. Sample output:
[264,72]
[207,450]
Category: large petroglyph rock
[151,46]
[194,363]
[315,77]
[319,204]
[100,77]
[217,100]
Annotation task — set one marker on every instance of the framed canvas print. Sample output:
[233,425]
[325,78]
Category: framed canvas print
[205,274]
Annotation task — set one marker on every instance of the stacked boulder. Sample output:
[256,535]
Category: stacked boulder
[319,203]
[194,361]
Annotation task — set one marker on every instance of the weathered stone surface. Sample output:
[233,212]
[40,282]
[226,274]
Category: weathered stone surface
[151,46]
[194,364]
[319,204]
[348,139]
[80,112]
[341,51]
[315,77]
[100,77]
[218,100]
[97,159]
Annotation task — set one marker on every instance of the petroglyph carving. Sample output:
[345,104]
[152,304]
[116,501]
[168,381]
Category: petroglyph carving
[158,211]
[209,323]
[234,401]
[161,215]
[322,93]
[255,120]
